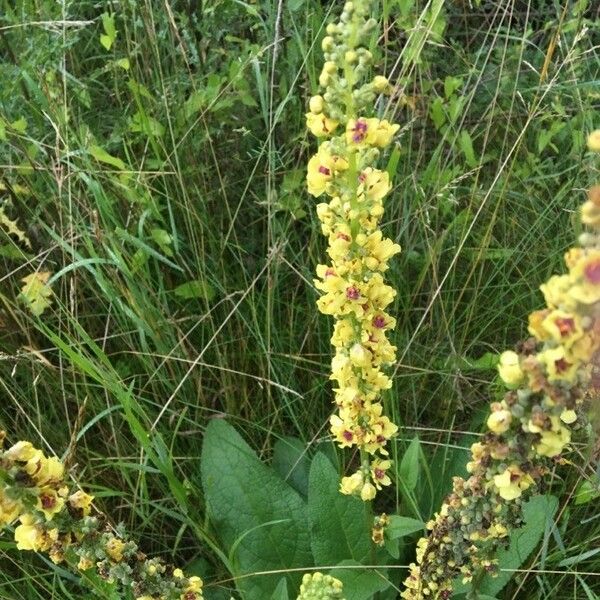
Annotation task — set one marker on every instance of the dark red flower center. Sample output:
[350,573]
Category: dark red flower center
[561,365]
[379,322]
[348,435]
[565,326]
[592,272]
[47,502]
[352,293]
[324,170]
[379,473]
[360,131]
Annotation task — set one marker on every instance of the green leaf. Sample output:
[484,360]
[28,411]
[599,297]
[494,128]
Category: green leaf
[195,289]
[436,111]
[36,292]
[402,526]
[339,524]
[142,123]
[243,494]
[291,461]
[451,84]
[123,63]
[466,145]
[281,591]
[110,33]
[360,583]
[20,125]
[587,492]
[103,156]
[409,466]
[163,239]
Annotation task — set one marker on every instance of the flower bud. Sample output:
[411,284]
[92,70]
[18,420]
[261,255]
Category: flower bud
[380,84]
[316,104]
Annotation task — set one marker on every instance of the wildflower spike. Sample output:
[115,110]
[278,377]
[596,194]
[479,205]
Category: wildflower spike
[54,518]
[352,286]
[546,381]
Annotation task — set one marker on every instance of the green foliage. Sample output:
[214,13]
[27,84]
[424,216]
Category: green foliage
[339,525]
[260,519]
[166,174]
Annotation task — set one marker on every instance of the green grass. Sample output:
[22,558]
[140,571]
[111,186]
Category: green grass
[488,181]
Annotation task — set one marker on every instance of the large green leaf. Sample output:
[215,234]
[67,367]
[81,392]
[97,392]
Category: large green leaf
[258,517]
[291,461]
[339,525]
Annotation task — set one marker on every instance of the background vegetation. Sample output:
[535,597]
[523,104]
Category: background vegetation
[153,154]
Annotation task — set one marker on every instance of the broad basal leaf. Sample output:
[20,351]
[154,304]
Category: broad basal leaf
[258,517]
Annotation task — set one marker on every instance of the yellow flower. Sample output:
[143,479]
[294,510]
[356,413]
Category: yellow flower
[379,474]
[321,169]
[50,503]
[558,367]
[114,549]
[568,416]
[81,500]
[512,482]
[368,492]
[380,251]
[45,470]
[28,535]
[374,183]
[21,452]
[320,124]
[509,368]
[360,356]
[350,485]
[554,440]
[587,272]
[555,290]
[9,510]
[342,431]
[563,327]
[84,563]
[372,132]
[499,421]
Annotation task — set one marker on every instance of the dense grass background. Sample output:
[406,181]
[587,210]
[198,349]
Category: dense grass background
[205,121]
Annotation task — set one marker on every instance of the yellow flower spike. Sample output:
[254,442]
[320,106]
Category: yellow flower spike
[352,288]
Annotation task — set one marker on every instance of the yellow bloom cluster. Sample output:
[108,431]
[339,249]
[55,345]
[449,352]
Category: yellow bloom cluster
[317,586]
[546,379]
[352,285]
[54,518]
